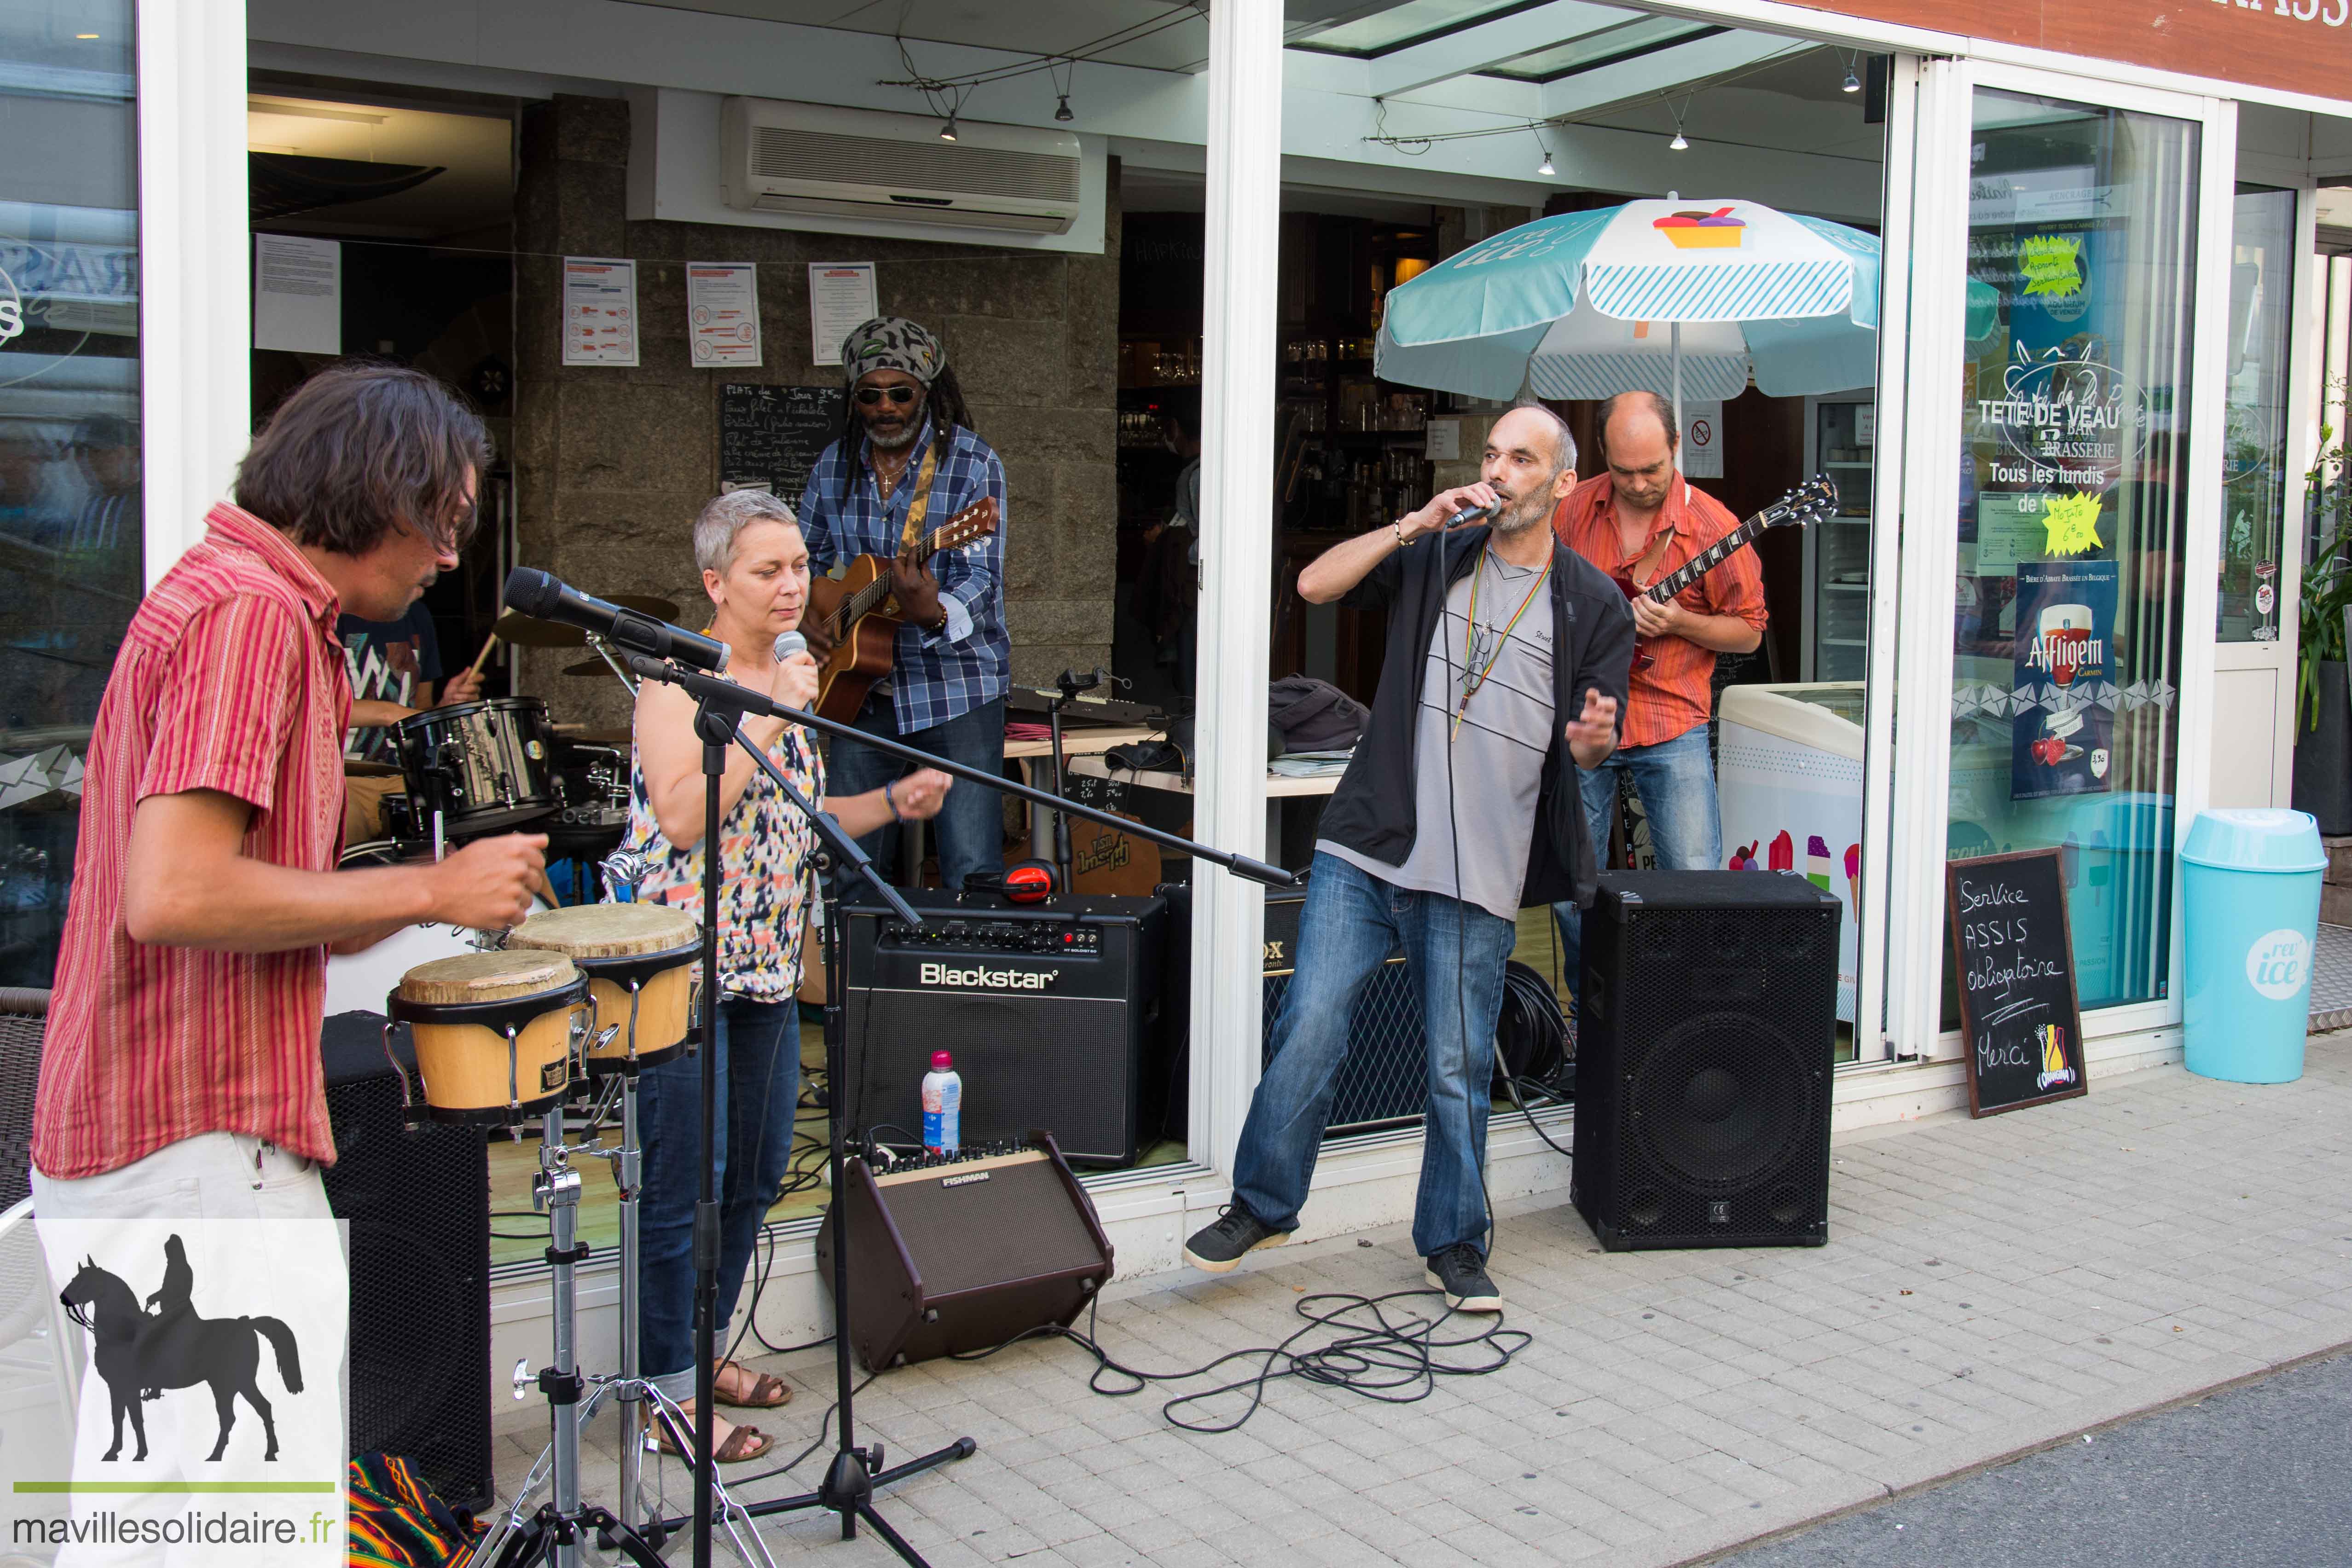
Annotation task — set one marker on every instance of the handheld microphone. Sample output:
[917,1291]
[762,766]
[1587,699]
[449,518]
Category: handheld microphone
[545,598]
[1468,515]
[788,643]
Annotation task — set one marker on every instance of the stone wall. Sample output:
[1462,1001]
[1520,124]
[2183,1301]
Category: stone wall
[610,465]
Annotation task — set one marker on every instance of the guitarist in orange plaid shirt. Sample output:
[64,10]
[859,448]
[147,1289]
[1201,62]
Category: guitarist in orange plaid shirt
[1637,521]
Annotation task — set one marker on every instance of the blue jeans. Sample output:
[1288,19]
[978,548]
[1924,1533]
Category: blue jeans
[1455,952]
[1675,781]
[969,831]
[758,1070]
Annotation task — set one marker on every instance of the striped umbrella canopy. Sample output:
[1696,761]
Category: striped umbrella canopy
[1682,298]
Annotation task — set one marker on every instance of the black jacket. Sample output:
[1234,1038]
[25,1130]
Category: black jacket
[1593,649]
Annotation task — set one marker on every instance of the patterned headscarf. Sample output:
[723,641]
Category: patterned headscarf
[892,343]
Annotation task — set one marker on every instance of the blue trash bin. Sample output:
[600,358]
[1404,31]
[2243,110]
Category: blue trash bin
[2251,920]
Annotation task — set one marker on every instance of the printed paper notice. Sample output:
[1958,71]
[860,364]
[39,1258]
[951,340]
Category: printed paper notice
[723,313]
[841,296]
[298,294]
[600,311]
[1701,438]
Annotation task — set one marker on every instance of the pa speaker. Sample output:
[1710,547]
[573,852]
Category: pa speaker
[1706,1033]
[418,1202]
[960,1256]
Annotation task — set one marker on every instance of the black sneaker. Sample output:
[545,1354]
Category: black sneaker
[1215,1248]
[1461,1272]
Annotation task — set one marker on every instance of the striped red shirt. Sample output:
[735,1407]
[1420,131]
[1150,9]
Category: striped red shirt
[1677,693]
[230,678]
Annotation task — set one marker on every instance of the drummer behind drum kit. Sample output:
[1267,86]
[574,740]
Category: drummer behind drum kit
[495,765]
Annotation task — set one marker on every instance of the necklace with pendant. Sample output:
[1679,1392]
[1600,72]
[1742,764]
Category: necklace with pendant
[1477,657]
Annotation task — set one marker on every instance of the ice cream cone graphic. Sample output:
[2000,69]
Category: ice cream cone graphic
[2054,1070]
[1854,875]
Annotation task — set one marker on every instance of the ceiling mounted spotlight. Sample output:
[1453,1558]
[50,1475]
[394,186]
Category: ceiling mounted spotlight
[1852,83]
[1063,113]
[948,132]
[1544,168]
[1681,143]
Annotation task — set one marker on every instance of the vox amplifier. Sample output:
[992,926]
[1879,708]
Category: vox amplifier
[1047,1007]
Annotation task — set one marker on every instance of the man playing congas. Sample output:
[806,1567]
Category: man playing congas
[180,1071]
[755,567]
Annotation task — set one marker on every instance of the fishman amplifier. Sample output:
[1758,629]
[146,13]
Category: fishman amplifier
[1045,1006]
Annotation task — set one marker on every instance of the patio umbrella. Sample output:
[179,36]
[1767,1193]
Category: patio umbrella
[1671,297]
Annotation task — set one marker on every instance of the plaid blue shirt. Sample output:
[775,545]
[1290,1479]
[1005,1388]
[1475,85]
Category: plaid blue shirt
[937,676]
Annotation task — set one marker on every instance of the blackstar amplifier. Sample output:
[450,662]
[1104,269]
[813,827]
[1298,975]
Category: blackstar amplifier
[1047,1007]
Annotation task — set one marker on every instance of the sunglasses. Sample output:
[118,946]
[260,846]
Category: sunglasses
[871,396]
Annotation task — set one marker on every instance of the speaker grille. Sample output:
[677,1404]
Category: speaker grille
[1059,1064]
[1706,1044]
[1382,1083]
[418,1205]
[1016,1224]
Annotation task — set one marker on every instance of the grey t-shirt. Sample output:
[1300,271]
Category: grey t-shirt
[1497,756]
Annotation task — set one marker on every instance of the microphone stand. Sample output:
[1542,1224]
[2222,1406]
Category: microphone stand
[849,1481]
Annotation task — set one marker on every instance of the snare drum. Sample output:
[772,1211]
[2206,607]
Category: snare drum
[485,767]
[493,1032]
[639,959]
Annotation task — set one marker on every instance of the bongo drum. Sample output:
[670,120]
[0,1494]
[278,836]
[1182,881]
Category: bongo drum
[639,959]
[493,1032]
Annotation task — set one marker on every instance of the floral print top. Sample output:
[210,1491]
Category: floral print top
[765,850]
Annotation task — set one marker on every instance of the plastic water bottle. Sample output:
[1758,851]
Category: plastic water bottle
[942,1106]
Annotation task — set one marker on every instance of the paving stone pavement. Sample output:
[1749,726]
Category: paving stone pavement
[1989,1287]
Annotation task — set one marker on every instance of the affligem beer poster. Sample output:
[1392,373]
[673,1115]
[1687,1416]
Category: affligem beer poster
[2061,738]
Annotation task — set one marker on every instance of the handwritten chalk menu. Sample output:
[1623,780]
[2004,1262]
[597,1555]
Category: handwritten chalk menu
[2014,954]
[773,436]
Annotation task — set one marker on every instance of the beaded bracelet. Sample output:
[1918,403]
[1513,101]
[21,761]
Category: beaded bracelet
[892,801]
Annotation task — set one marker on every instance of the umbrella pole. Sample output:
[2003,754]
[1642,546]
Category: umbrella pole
[1674,339]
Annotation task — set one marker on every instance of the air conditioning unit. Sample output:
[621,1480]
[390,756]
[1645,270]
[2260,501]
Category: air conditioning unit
[856,163]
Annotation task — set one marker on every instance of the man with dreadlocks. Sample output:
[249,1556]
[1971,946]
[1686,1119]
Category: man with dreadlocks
[905,462]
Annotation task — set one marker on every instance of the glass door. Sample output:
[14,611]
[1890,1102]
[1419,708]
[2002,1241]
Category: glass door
[2067,598]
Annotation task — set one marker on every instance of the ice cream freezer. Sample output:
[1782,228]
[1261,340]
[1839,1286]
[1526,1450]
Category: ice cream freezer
[1789,781]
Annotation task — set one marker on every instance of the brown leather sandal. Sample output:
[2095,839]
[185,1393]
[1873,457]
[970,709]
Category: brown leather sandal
[768,1392]
[744,1443]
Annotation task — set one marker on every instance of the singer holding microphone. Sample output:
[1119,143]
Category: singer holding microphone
[755,567]
[1507,664]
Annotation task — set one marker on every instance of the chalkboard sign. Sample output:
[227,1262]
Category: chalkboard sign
[2014,952]
[773,436]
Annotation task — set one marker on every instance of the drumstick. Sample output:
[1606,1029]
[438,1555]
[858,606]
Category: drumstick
[483,657]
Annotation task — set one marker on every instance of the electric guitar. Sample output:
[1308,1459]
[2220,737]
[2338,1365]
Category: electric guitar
[860,614]
[1808,503]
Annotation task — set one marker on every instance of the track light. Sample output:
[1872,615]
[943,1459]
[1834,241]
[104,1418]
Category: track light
[1063,113]
[948,132]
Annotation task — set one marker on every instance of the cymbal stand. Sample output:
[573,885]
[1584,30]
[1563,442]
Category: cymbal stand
[605,652]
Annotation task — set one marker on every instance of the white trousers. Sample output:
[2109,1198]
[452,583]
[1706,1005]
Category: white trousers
[292,1272]
[213,1175]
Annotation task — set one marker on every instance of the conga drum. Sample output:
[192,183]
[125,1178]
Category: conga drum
[639,959]
[493,1032]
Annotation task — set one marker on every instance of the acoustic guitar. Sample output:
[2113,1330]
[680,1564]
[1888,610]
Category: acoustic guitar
[858,610]
[1808,503]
